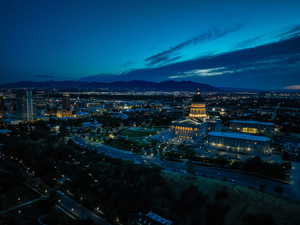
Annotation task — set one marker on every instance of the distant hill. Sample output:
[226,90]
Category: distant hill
[137,85]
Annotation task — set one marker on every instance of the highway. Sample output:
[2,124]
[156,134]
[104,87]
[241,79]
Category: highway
[291,190]
[74,209]
[22,205]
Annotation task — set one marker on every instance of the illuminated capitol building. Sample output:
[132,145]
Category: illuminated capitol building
[198,107]
[193,127]
[241,137]
[188,129]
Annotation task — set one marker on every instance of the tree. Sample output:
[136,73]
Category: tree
[215,213]
[262,187]
[278,189]
[187,151]
[190,167]
[221,195]
[285,156]
[252,219]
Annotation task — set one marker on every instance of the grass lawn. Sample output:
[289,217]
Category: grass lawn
[137,132]
[242,201]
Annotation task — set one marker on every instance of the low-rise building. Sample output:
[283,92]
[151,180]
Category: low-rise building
[5,132]
[253,127]
[119,115]
[93,126]
[150,218]
[64,114]
[239,143]
[293,149]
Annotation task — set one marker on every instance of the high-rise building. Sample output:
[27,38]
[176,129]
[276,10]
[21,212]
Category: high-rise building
[2,106]
[198,107]
[20,104]
[24,105]
[66,101]
[29,105]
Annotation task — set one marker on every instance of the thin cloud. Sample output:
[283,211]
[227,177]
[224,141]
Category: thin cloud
[280,61]
[167,55]
[292,32]
[249,42]
[163,60]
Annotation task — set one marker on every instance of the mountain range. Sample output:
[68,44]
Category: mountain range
[137,85]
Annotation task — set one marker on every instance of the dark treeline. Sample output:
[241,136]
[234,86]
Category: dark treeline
[119,188]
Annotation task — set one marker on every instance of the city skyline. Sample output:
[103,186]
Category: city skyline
[158,112]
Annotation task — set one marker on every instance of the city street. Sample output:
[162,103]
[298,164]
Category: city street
[65,203]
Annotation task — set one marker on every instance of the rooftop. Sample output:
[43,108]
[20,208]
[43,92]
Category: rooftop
[186,122]
[252,122]
[91,124]
[237,135]
[197,97]
[4,131]
[158,218]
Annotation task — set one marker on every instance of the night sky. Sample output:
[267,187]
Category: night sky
[250,44]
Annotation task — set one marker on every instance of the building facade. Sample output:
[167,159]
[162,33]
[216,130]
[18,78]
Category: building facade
[253,127]
[188,129]
[239,143]
[64,114]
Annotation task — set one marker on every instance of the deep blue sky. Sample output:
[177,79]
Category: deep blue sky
[63,39]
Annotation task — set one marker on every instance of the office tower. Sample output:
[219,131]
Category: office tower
[24,105]
[2,106]
[66,101]
[29,105]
